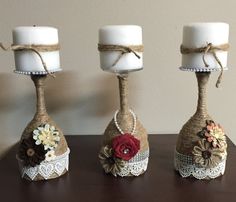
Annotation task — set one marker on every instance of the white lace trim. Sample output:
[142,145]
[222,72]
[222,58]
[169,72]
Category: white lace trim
[185,166]
[45,168]
[134,169]
[136,166]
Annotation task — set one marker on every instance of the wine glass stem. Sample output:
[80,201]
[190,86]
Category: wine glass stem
[123,89]
[202,79]
[39,81]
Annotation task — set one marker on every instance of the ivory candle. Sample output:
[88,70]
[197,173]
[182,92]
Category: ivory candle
[27,60]
[197,35]
[125,35]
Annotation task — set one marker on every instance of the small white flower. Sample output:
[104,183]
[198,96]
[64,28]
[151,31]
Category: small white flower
[50,155]
[40,128]
[47,127]
[38,142]
[36,132]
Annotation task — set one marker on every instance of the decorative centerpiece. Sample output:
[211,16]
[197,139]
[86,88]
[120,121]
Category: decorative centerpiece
[201,148]
[125,148]
[43,152]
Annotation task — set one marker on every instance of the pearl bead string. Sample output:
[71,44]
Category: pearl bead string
[134,122]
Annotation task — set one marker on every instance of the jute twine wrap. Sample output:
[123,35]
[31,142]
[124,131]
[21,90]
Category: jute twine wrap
[188,134]
[36,49]
[41,117]
[122,49]
[125,119]
[209,48]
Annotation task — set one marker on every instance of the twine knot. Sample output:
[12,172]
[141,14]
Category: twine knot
[122,49]
[209,48]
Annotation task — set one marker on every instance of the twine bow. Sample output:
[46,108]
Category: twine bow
[209,48]
[123,49]
[36,49]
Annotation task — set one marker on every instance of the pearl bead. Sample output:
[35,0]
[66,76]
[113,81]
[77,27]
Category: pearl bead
[134,122]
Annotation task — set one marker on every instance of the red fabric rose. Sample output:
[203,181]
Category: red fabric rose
[125,146]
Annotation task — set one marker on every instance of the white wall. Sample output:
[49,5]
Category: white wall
[83,98]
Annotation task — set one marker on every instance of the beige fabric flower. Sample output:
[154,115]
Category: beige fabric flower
[109,163]
[215,134]
[207,156]
[46,135]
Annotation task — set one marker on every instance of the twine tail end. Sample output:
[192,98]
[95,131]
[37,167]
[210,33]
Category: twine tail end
[218,82]
[137,55]
[52,75]
[3,47]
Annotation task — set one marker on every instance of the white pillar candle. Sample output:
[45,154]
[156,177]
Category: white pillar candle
[125,35]
[197,35]
[28,61]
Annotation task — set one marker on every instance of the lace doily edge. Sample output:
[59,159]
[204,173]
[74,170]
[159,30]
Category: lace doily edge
[194,175]
[128,170]
[54,172]
[193,170]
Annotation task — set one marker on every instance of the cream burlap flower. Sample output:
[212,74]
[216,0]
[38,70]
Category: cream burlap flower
[46,135]
[215,134]
[109,163]
[207,156]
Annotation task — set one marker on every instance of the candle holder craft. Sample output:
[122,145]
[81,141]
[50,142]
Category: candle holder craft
[43,151]
[201,149]
[125,148]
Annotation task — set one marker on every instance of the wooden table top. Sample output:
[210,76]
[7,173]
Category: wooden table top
[86,181]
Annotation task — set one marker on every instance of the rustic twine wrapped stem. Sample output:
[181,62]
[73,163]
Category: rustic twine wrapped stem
[39,82]
[202,79]
[188,134]
[123,90]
